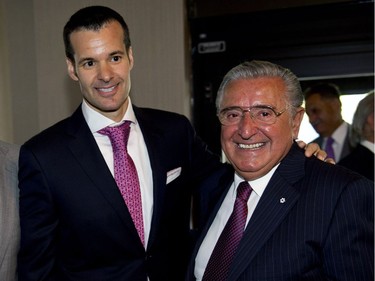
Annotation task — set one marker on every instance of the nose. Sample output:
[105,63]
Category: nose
[105,72]
[247,126]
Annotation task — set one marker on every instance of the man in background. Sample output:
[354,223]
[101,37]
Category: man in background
[361,136]
[323,107]
[9,217]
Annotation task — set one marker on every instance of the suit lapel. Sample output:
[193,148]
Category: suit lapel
[224,184]
[156,151]
[220,183]
[277,200]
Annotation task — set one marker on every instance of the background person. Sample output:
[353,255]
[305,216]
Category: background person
[361,136]
[323,107]
[301,218]
[9,217]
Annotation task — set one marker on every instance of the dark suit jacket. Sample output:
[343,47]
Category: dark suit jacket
[360,160]
[74,223]
[323,230]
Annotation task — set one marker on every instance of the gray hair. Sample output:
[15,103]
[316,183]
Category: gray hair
[358,130]
[257,69]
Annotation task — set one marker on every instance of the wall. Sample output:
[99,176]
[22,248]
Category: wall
[6,130]
[35,90]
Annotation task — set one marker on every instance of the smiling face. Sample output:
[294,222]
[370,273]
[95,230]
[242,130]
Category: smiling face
[254,149]
[102,67]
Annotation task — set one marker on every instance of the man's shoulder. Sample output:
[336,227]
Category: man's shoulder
[331,176]
[10,152]
[54,134]
[9,148]
[160,118]
[154,112]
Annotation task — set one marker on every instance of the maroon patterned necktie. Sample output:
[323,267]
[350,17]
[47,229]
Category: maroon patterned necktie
[225,248]
[126,174]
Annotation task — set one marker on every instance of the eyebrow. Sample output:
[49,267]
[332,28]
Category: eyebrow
[110,55]
[254,106]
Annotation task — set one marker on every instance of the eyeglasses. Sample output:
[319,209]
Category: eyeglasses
[262,114]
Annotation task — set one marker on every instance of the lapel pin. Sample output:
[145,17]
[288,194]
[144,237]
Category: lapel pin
[282,200]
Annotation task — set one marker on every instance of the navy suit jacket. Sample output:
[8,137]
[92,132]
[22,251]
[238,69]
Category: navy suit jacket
[360,160]
[314,221]
[74,222]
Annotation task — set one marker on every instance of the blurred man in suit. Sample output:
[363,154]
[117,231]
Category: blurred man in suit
[361,136]
[9,218]
[323,107]
[293,218]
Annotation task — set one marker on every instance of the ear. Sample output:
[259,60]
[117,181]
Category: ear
[130,57]
[335,103]
[296,121]
[71,69]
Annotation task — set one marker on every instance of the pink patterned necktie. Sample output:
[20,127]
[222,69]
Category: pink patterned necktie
[329,148]
[126,174]
[225,248]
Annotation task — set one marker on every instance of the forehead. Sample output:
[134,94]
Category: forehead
[315,100]
[247,92]
[110,34]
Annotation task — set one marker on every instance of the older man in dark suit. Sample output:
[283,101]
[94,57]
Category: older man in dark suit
[9,217]
[279,215]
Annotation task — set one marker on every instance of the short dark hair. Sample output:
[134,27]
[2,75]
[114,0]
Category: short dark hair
[92,18]
[325,90]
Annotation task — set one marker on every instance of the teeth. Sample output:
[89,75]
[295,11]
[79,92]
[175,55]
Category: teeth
[106,90]
[250,146]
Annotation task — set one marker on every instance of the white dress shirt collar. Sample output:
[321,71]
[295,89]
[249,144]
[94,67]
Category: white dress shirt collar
[97,121]
[258,185]
[339,134]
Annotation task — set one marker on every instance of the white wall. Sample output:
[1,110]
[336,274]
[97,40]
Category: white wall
[35,90]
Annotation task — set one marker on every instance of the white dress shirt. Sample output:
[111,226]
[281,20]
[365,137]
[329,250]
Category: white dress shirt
[222,216]
[339,136]
[136,148]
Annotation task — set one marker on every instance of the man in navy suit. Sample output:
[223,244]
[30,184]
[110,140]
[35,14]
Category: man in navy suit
[75,224]
[304,219]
